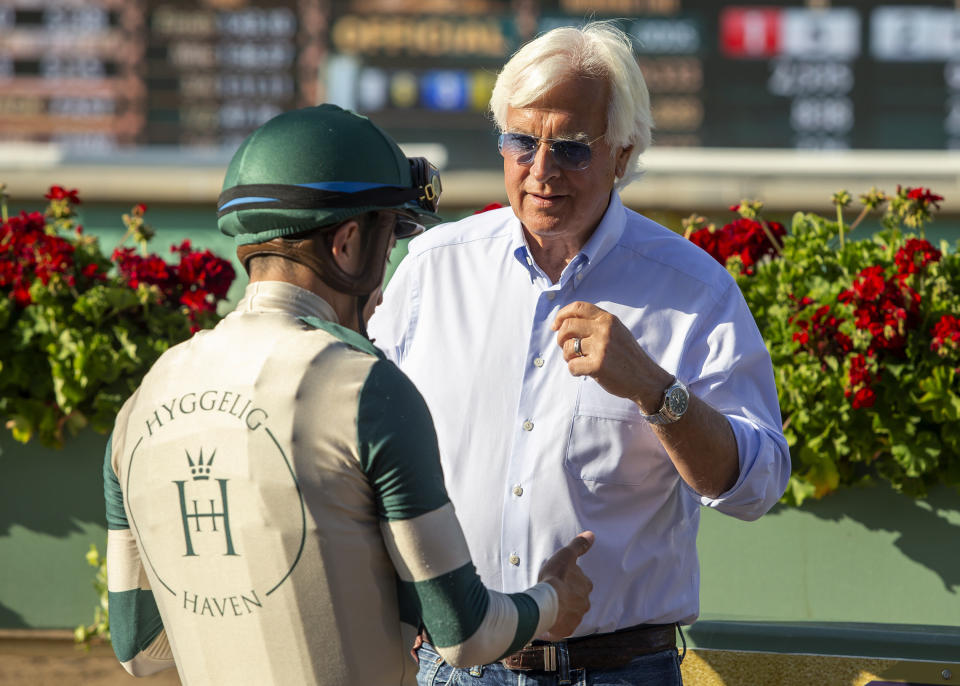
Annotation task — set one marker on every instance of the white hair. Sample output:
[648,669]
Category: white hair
[596,50]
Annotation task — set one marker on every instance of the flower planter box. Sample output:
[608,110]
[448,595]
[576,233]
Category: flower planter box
[858,555]
[51,510]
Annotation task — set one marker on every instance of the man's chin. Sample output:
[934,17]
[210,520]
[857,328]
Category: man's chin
[545,225]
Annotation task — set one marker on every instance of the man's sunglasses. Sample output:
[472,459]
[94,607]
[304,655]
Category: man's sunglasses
[568,154]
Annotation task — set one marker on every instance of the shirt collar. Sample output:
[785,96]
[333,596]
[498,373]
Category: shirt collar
[608,232]
[607,235]
[280,296]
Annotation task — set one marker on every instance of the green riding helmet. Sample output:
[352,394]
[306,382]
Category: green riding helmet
[317,167]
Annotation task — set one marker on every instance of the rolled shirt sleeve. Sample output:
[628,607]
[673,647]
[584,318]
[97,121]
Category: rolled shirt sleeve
[733,374]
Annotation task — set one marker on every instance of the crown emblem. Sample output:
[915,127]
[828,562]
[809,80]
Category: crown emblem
[198,470]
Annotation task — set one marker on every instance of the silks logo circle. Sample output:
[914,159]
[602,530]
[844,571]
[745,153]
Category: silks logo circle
[215,503]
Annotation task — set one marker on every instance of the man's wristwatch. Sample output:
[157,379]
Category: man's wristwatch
[676,399]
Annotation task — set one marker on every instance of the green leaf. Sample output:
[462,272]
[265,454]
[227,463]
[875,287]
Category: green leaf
[21,428]
[798,490]
[6,311]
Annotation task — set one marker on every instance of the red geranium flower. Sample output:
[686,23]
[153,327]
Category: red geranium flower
[819,334]
[61,193]
[860,378]
[203,270]
[887,308]
[864,397]
[136,269]
[924,197]
[21,295]
[487,208]
[196,301]
[916,254]
[28,253]
[743,237]
[946,335]
[92,271]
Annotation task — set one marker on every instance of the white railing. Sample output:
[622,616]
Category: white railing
[680,179]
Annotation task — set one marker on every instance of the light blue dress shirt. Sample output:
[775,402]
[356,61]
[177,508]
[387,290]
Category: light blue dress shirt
[533,455]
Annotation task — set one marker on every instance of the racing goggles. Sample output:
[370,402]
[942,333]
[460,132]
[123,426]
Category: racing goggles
[571,155]
[406,227]
[423,196]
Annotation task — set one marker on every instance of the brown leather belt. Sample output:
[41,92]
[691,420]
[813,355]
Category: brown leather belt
[599,651]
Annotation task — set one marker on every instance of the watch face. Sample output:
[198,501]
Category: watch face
[676,401]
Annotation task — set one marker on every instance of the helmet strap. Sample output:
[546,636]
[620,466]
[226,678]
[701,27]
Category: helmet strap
[361,324]
[321,262]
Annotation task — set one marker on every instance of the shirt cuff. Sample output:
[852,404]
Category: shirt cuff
[764,470]
[545,596]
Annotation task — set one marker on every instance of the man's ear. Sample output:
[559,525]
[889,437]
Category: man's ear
[345,246]
[623,157]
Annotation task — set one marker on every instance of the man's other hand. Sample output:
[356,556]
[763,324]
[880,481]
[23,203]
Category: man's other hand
[572,586]
[609,353]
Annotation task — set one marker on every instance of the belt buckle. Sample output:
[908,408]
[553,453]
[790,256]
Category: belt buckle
[550,658]
[548,654]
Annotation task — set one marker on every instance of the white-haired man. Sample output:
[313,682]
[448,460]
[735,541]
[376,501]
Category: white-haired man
[586,368]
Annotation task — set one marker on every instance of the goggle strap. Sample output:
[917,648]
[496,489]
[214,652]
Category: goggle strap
[288,197]
[427,178]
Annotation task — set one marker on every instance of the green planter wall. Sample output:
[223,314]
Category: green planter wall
[51,510]
[861,555]
[857,555]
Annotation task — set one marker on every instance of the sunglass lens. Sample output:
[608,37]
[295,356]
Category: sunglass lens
[518,145]
[572,154]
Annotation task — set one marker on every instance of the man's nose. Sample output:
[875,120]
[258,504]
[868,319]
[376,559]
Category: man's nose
[544,166]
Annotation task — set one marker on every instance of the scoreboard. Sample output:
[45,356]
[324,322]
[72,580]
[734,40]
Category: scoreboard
[102,75]
[105,76]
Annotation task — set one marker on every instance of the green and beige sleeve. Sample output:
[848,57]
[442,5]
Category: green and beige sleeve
[468,623]
[136,630]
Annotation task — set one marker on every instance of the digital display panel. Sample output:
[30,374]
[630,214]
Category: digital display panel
[108,75]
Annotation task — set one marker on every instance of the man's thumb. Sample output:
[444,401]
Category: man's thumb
[582,542]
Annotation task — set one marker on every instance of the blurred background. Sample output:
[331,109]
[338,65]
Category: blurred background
[145,100]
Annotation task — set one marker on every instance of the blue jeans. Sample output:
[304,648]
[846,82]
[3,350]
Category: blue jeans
[656,669]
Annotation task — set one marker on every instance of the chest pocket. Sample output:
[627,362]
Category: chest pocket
[609,441]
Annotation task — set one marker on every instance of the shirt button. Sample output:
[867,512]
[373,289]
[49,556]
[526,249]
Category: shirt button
[518,490]
[515,559]
[538,362]
[579,276]
[528,425]
[551,295]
